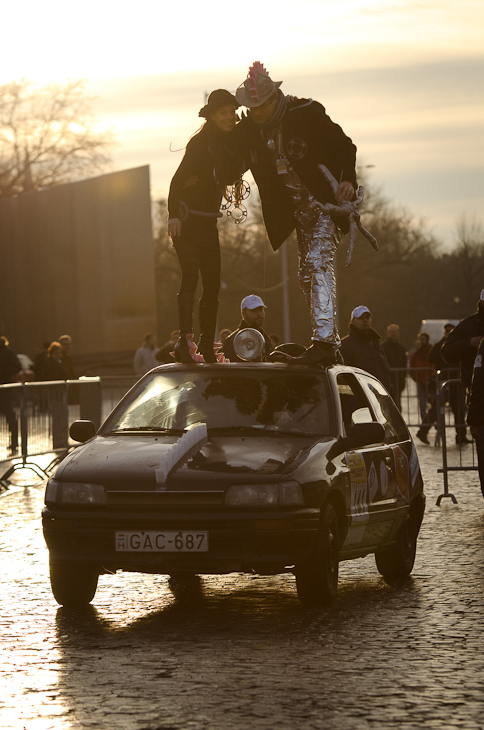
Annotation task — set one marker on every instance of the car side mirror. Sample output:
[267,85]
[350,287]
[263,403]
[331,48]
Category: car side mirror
[364,434]
[82,431]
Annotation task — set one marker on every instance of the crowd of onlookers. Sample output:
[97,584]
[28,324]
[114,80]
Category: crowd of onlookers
[52,362]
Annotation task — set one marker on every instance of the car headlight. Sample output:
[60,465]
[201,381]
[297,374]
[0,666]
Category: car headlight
[285,493]
[74,493]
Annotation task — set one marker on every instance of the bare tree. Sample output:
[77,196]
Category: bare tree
[48,136]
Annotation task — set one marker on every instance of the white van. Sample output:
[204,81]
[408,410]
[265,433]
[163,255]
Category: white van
[435,328]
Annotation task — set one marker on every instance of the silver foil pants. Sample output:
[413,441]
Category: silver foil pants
[318,239]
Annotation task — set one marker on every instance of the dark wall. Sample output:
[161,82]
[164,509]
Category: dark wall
[78,259]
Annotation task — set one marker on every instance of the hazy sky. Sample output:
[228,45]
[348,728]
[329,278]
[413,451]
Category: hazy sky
[404,79]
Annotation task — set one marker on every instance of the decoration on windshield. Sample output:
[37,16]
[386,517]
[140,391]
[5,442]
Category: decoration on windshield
[192,441]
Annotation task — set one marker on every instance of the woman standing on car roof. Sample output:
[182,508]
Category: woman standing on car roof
[210,164]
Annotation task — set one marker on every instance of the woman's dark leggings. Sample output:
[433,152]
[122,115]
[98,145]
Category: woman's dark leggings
[198,251]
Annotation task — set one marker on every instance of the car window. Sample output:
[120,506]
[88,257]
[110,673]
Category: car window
[350,396]
[259,400]
[385,409]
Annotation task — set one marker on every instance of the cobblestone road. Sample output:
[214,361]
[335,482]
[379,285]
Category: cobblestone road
[242,652]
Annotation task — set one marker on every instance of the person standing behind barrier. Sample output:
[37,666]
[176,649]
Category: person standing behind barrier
[460,347]
[66,344]
[475,414]
[54,364]
[145,356]
[454,393]
[56,395]
[361,347]
[424,375]
[10,367]
[397,357]
[164,353]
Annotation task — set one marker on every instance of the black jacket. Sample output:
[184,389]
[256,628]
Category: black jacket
[397,357]
[209,164]
[9,364]
[475,414]
[458,349]
[309,138]
[361,349]
[228,346]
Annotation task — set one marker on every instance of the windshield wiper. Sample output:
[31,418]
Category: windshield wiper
[156,429]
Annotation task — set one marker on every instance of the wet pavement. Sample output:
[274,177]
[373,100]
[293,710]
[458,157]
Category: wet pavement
[242,652]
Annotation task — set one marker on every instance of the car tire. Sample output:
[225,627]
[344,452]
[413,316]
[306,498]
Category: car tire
[397,560]
[317,580]
[73,585]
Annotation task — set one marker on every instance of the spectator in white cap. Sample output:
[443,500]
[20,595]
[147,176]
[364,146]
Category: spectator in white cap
[461,345]
[253,312]
[361,347]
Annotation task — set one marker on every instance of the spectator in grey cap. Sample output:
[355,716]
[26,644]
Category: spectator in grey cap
[361,347]
[252,309]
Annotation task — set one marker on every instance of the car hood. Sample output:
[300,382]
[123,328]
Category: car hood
[131,462]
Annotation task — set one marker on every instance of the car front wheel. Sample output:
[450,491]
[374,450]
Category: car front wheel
[396,561]
[73,585]
[317,580]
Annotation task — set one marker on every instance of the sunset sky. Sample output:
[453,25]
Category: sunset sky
[404,80]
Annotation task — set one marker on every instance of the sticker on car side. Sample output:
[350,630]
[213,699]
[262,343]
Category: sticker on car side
[402,475]
[359,486]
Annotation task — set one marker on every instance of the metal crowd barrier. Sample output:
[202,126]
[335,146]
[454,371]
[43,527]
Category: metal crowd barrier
[464,458]
[35,419]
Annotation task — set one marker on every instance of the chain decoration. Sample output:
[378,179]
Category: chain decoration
[232,201]
[348,210]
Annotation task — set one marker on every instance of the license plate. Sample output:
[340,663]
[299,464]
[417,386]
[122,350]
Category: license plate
[162,542]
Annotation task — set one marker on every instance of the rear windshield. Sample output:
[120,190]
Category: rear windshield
[228,400]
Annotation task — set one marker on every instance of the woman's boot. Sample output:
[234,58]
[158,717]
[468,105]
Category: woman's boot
[185,318]
[207,313]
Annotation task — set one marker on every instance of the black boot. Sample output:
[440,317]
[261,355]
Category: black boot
[422,434]
[207,313]
[320,353]
[185,318]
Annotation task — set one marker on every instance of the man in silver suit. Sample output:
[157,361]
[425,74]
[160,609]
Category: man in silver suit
[284,142]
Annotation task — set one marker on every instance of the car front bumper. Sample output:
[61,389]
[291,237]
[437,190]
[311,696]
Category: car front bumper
[264,543]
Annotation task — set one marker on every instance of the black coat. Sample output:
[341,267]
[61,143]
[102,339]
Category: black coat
[9,364]
[209,164]
[458,349]
[361,349]
[475,414]
[309,138]
[397,357]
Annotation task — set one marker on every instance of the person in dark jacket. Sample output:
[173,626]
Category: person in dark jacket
[361,347]
[208,166]
[397,357]
[454,392]
[461,345]
[475,414]
[10,368]
[54,366]
[252,309]
[285,142]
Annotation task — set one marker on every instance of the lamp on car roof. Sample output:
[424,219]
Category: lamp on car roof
[248,344]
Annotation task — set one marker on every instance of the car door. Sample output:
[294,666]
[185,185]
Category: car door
[404,461]
[372,487]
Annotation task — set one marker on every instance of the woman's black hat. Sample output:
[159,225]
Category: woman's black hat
[216,100]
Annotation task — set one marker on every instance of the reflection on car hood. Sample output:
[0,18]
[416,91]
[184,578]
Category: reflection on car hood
[129,462]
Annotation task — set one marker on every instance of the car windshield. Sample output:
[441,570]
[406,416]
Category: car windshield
[269,400]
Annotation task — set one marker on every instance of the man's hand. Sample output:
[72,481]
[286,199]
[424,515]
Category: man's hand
[476,341]
[345,192]
[174,227]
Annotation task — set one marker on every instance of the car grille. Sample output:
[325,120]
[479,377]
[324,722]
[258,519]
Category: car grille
[139,499]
